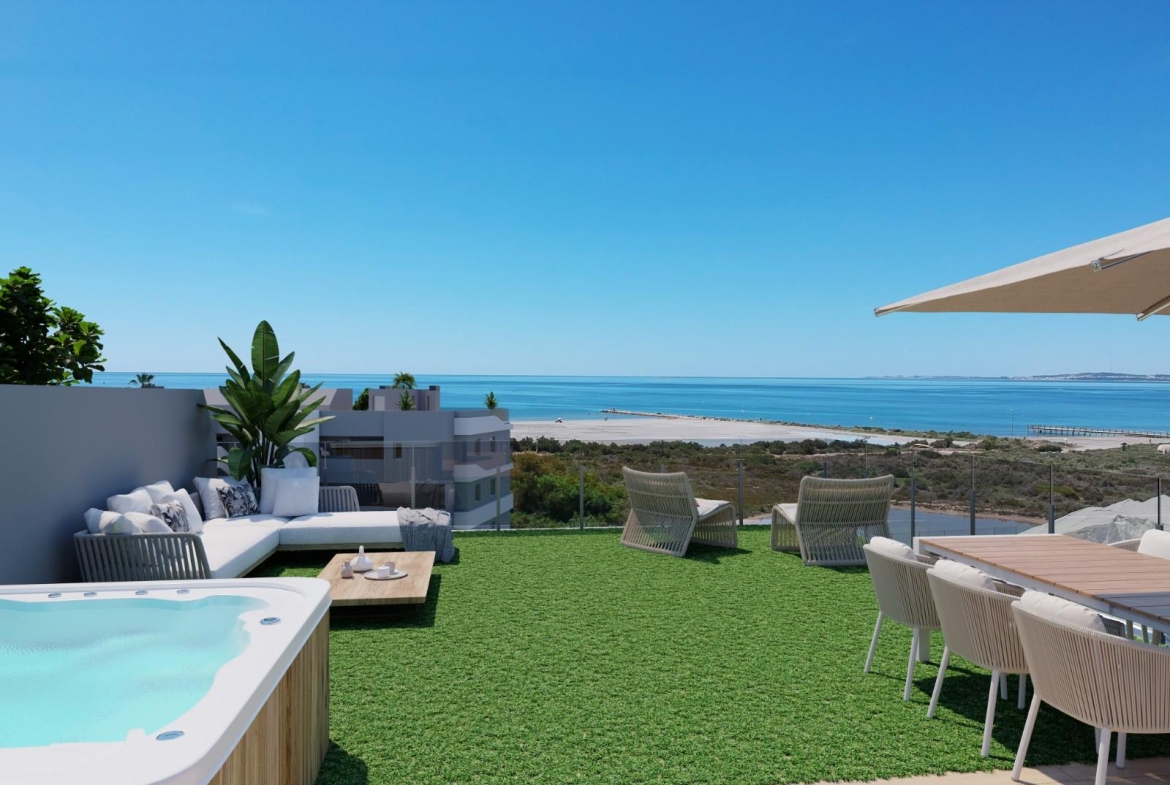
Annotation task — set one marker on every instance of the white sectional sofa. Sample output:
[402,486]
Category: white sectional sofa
[233,547]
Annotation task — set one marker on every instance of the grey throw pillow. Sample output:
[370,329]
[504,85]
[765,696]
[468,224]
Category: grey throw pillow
[173,515]
[238,500]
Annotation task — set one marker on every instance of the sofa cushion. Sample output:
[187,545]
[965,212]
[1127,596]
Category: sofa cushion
[194,519]
[297,496]
[238,545]
[270,522]
[375,527]
[138,500]
[159,489]
[270,478]
[209,496]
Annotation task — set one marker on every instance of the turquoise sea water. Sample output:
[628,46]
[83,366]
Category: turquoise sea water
[983,406]
[93,670]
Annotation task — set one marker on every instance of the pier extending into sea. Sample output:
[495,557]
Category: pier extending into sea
[1078,430]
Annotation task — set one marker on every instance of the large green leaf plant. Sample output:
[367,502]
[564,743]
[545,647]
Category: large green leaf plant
[269,408]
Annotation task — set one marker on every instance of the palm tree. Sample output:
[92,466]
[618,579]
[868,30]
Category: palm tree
[143,380]
[403,381]
[406,402]
[490,401]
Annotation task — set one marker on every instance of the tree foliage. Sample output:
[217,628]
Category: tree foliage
[42,342]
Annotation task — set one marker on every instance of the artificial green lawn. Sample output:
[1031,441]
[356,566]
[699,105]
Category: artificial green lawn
[564,657]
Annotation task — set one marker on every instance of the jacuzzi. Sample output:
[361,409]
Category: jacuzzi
[175,682]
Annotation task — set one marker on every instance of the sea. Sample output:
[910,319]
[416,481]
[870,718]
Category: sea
[999,407]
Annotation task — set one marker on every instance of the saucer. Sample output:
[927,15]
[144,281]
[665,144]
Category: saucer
[372,576]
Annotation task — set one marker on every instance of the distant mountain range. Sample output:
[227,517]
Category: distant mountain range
[1099,376]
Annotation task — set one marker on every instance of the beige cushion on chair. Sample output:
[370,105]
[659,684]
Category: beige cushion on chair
[1155,543]
[1061,610]
[962,573]
[888,547]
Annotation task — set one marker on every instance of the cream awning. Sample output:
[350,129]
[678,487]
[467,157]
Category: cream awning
[1127,273]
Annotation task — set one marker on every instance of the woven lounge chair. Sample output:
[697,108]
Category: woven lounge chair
[665,517]
[832,519]
[1103,680]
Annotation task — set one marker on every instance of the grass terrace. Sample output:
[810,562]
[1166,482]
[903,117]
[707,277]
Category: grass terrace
[555,657]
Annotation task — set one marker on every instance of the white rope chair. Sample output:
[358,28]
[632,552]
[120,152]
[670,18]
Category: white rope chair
[977,624]
[1154,546]
[903,596]
[1109,682]
[665,517]
[832,519]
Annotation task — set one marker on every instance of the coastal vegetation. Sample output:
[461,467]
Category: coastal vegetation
[1012,478]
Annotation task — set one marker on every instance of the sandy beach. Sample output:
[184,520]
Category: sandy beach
[641,430]
[713,431]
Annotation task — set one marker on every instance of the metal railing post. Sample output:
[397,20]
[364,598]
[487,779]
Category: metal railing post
[413,506]
[825,469]
[581,498]
[497,498]
[972,494]
[1052,503]
[865,458]
[913,498]
[1159,504]
[741,491]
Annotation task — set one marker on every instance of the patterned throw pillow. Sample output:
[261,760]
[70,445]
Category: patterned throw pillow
[173,515]
[238,500]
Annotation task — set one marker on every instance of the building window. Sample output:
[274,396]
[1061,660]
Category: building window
[493,444]
[478,447]
[397,452]
[492,487]
[477,491]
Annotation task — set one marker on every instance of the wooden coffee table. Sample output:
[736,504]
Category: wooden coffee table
[358,590]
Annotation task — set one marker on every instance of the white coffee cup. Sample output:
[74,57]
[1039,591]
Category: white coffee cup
[385,570]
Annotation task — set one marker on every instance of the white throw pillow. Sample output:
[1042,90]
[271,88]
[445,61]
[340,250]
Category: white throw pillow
[296,496]
[120,524]
[194,519]
[209,495]
[270,477]
[888,547]
[148,524]
[157,490]
[138,500]
[961,573]
[1060,609]
[97,520]
[295,460]
[1155,543]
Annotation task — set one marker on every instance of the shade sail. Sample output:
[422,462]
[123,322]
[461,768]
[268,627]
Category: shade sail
[1126,273]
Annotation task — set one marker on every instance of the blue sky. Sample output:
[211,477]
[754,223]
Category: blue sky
[579,188]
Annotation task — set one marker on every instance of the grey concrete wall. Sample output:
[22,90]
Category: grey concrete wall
[65,450]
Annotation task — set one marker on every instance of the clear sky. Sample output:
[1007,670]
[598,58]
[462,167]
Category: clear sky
[673,188]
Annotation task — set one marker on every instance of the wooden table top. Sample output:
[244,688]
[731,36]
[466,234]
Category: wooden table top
[359,590]
[1128,584]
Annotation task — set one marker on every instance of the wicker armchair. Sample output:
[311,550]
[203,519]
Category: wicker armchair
[1113,684]
[832,519]
[168,557]
[665,517]
[903,596]
[977,625]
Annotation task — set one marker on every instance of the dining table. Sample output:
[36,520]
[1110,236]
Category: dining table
[1113,581]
